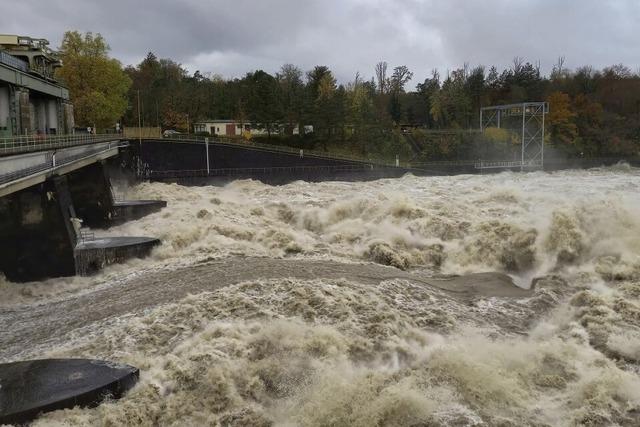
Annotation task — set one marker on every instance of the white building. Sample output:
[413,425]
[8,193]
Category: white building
[233,128]
[221,127]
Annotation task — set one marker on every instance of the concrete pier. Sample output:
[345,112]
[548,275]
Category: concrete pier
[130,210]
[93,199]
[93,255]
[40,226]
[30,388]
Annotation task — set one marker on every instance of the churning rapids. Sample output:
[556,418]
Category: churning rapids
[331,304]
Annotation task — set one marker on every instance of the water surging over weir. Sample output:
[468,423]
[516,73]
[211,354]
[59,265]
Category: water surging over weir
[373,345]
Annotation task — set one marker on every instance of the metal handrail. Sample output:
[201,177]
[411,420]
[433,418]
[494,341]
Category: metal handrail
[275,148]
[253,170]
[445,163]
[14,62]
[49,164]
[30,143]
[507,164]
[86,236]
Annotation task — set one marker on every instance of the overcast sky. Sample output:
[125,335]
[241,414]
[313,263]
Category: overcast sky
[233,37]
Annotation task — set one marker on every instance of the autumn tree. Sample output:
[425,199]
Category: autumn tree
[588,119]
[97,84]
[561,119]
[361,113]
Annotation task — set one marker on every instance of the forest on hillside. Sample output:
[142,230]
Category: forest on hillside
[592,112]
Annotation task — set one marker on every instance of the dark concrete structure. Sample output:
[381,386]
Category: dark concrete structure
[40,226]
[30,388]
[186,161]
[92,255]
[94,201]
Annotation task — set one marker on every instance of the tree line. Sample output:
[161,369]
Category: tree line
[592,112]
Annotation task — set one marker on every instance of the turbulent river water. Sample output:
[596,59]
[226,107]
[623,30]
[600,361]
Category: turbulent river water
[340,303]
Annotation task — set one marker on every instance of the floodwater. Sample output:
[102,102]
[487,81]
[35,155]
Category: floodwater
[508,299]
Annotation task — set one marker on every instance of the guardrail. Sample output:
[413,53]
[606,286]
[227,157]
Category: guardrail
[236,142]
[196,173]
[30,143]
[51,162]
[86,236]
[508,164]
[445,163]
[8,177]
[14,62]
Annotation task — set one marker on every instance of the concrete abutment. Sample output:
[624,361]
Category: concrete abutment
[40,226]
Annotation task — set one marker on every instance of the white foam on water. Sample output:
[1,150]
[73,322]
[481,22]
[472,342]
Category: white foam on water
[320,352]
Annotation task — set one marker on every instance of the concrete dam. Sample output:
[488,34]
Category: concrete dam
[54,191]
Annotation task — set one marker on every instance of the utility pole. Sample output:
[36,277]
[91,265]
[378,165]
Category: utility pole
[206,144]
[139,121]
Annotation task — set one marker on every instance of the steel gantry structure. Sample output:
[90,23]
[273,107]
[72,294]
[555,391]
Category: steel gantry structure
[526,120]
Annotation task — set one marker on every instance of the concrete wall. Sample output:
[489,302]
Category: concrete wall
[163,155]
[52,116]
[36,232]
[144,132]
[41,115]
[18,163]
[190,158]
[187,163]
[5,119]
[68,120]
[92,196]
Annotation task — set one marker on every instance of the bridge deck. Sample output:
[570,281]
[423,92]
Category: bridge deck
[20,171]
[32,143]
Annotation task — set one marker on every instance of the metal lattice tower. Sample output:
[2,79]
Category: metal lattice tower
[526,120]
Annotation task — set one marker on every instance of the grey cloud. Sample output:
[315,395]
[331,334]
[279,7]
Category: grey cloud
[230,38]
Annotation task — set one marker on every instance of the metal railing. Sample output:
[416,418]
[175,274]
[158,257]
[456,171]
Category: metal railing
[237,142]
[195,173]
[51,162]
[86,236]
[445,163]
[507,164]
[30,143]
[14,62]
[12,176]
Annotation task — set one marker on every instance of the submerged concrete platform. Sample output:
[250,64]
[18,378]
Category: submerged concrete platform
[92,255]
[129,210]
[30,388]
